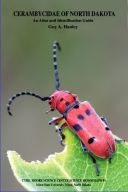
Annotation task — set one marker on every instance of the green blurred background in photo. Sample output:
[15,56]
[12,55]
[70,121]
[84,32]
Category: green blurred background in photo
[93,64]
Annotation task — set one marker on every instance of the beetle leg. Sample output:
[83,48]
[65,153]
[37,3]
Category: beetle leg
[104,120]
[85,149]
[55,120]
[110,156]
[119,140]
[61,135]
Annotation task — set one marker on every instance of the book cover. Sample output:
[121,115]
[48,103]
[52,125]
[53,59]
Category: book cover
[92,66]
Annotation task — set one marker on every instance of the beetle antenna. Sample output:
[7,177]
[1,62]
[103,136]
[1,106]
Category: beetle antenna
[23,93]
[56,46]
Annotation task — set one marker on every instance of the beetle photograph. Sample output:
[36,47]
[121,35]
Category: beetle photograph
[94,132]
[64,96]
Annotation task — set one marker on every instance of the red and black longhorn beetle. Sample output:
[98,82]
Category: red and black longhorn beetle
[92,130]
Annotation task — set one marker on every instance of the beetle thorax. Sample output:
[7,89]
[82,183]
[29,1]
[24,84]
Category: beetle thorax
[60,100]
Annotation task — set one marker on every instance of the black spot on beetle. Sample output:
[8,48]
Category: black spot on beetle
[61,99]
[50,102]
[81,117]
[77,127]
[67,103]
[91,140]
[87,112]
[76,107]
[107,128]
